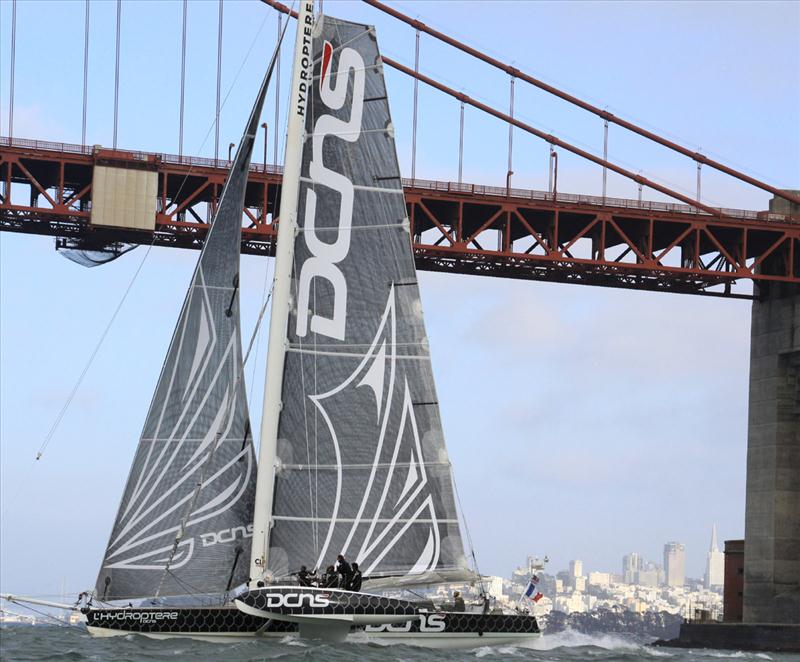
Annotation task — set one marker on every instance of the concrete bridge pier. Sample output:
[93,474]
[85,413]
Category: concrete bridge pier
[772,511]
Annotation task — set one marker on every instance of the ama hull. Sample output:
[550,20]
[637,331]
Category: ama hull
[228,624]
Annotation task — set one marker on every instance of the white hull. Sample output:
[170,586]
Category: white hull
[428,640]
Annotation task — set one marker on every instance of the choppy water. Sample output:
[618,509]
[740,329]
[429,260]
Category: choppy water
[62,643]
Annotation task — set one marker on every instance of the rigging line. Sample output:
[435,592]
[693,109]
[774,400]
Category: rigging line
[60,622]
[256,330]
[54,427]
[266,295]
[466,529]
[189,508]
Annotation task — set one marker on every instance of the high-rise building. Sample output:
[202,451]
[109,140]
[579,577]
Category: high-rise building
[675,563]
[630,566]
[715,563]
[576,568]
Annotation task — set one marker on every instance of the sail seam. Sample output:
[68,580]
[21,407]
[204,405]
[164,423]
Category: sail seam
[349,520]
[357,187]
[297,350]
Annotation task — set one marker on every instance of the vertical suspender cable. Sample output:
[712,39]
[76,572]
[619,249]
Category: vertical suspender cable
[461,147]
[414,120]
[605,156]
[116,74]
[85,73]
[13,63]
[277,96]
[510,138]
[219,80]
[183,78]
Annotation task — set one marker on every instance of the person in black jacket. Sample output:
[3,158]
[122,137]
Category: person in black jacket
[344,570]
[355,579]
[330,579]
[304,577]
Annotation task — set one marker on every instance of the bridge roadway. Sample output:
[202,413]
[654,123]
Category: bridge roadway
[459,228]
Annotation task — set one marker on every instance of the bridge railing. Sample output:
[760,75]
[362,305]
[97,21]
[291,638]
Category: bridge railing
[425,184]
[529,194]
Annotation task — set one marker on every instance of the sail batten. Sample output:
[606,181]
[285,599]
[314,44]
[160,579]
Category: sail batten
[362,468]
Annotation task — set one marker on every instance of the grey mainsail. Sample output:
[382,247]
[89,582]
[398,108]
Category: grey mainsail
[187,508]
[362,467]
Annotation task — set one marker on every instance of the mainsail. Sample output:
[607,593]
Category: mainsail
[362,467]
[187,508]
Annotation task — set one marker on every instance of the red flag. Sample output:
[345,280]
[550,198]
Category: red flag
[537,597]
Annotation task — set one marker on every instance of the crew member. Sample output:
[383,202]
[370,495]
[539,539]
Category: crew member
[330,579]
[344,570]
[458,602]
[355,578]
[304,577]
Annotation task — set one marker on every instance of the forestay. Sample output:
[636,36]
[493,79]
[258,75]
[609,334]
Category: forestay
[187,508]
[362,467]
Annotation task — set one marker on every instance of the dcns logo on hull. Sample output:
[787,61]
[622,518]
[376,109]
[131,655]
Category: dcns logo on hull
[295,600]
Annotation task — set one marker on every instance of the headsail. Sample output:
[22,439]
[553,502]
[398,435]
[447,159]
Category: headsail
[187,508]
[362,467]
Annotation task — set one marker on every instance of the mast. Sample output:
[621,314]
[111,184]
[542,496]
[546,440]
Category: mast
[279,312]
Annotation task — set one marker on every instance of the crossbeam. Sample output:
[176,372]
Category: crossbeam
[456,228]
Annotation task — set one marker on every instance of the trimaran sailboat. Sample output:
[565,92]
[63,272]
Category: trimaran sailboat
[352,456]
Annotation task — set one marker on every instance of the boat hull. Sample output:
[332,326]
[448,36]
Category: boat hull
[228,624]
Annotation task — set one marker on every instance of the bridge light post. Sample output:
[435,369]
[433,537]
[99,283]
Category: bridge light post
[699,166]
[508,182]
[555,174]
[264,126]
[230,149]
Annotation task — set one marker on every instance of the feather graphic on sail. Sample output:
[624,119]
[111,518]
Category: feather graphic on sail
[362,465]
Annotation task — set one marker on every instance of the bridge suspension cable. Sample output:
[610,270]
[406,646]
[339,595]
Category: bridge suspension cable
[550,138]
[13,63]
[183,79]
[604,114]
[85,73]
[116,73]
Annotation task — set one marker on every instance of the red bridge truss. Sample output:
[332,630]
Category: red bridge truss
[459,228]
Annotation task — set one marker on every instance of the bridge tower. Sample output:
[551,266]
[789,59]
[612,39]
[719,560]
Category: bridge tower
[772,511]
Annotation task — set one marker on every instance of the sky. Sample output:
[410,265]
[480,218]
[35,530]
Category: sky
[581,422]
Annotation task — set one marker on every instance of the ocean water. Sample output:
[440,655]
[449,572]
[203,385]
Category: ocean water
[73,643]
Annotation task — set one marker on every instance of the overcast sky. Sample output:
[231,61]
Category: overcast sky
[581,422]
